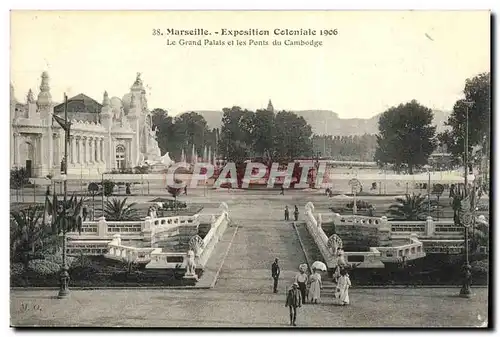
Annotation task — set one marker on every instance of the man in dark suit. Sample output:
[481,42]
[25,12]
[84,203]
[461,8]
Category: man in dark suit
[275,273]
[293,301]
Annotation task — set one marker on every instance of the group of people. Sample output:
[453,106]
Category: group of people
[307,288]
[295,213]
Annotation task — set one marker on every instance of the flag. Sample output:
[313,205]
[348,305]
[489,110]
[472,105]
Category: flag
[65,125]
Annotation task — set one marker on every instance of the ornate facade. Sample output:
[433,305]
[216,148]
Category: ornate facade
[116,134]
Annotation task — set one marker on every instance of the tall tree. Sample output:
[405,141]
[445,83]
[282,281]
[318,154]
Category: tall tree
[293,136]
[166,134]
[233,139]
[478,91]
[406,135]
[191,129]
[263,134]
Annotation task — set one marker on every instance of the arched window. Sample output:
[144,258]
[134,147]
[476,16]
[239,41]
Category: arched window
[120,157]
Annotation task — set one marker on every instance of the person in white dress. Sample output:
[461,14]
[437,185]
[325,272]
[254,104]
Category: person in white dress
[315,287]
[343,287]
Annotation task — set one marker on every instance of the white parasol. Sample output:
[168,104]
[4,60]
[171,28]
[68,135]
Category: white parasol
[318,265]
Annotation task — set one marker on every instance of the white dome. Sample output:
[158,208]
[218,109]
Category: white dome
[116,104]
[126,102]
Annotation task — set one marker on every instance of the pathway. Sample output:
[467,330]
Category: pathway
[243,296]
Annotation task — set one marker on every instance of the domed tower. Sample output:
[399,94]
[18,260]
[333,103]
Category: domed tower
[132,106]
[270,107]
[106,111]
[44,101]
[31,105]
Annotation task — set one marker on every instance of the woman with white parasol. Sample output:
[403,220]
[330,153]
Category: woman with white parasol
[315,282]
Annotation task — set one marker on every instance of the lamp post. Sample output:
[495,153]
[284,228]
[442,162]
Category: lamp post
[64,290]
[427,167]
[467,214]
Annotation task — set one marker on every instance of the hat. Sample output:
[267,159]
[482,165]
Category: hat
[295,284]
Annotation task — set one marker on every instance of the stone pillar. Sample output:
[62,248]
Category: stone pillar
[148,223]
[57,151]
[72,148]
[49,152]
[129,153]
[384,232]
[96,149]
[87,150]
[91,150]
[83,148]
[79,149]
[41,161]
[16,150]
[102,227]
[429,226]
[101,150]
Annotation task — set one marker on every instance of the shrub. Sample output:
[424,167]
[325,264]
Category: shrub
[480,266]
[360,204]
[16,269]
[57,258]
[44,267]
[108,187]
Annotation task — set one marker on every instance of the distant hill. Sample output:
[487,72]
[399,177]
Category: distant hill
[329,122]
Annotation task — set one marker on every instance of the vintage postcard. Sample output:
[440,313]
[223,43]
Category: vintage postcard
[317,169]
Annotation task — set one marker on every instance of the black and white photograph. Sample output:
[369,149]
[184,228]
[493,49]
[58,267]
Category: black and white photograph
[250,169]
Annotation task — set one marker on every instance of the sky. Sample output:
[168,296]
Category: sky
[378,59]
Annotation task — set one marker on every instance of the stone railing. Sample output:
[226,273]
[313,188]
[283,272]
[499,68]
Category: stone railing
[319,236]
[370,259]
[130,254]
[411,251]
[87,247]
[358,219]
[444,246]
[105,238]
[427,228]
[218,227]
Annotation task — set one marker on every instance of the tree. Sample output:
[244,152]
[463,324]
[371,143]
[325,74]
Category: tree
[175,192]
[191,129]
[406,136]
[18,178]
[66,216]
[410,208]
[233,143]
[118,210]
[164,123]
[478,91]
[263,132]
[293,136]
[29,236]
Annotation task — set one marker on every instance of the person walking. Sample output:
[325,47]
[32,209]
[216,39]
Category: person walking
[282,190]
[343,287]
[293,301]
[287,214]
[275,274]
[296,213]
[315,287]
[85,212]
[301,280]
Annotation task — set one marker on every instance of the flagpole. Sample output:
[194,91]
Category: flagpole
[63,290]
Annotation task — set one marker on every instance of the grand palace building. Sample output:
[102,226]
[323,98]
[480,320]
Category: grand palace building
[114,134]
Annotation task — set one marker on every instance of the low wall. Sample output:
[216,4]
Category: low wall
[212,238]
[319,237]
